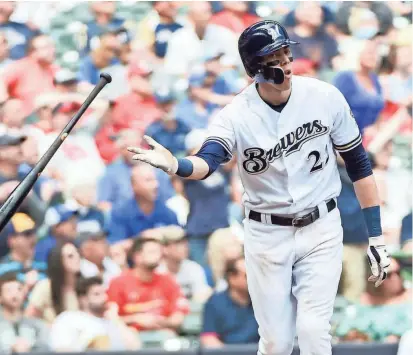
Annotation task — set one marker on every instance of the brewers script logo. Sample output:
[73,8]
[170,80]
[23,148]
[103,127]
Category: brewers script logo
[258,160]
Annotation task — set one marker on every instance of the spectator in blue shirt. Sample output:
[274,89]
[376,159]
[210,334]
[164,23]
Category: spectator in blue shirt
[228,315]
[104,19]
[61,222]
[209,201]
[166,27]
[103,55]
[144,211]
[362,88]
[20,260]
[17,34]
[169,131]
[115,185]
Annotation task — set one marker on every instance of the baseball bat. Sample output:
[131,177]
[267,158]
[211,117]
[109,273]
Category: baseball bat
[17,196]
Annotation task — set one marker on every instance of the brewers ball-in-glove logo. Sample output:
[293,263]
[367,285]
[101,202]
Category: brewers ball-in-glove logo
[258,160]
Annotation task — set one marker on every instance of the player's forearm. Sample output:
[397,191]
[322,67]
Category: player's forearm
[366,192]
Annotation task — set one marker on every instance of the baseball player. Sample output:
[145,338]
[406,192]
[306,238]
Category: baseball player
[286,131]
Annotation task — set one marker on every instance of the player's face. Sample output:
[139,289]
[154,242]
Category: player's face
[281,59]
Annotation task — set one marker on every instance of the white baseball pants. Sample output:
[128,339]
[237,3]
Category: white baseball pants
[293,276]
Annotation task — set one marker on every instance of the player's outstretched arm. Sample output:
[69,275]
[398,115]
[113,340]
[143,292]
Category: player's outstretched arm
[192,167]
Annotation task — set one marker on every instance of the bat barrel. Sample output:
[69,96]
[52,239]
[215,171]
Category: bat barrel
[17,196]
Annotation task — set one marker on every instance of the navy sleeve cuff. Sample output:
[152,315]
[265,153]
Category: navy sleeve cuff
[357,163]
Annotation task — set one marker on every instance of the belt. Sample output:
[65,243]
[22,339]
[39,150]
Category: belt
[297,221]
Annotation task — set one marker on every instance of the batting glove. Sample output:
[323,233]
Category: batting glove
[379,260]
[158,156]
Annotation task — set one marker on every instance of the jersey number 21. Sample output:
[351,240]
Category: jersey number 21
[319,161]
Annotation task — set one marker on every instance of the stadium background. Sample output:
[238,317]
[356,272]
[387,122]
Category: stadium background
[168,84]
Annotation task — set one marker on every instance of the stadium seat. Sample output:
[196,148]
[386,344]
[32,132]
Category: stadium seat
[155,339]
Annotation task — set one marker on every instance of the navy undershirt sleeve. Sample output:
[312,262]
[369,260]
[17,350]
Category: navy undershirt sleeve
[214,155]
[357,162]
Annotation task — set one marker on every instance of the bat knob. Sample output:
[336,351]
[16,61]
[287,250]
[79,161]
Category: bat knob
[106,76]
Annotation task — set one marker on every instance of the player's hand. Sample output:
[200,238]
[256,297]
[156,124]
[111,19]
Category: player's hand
[157,156]
[379,260]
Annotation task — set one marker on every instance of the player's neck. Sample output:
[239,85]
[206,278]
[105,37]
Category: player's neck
[273,96]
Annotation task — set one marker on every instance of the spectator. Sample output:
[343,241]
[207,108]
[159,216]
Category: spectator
[104,19]
[362,88]
[115,185]
[118,254]
[391,303]
[169,131]
[19,334]
[66,81]
[83,199]
[61,223]
[189,275]
[4,51]
[141,212]
[209,201]
[18,34]
[156,35]
[94,250]
[191,43]
[103,54]
[235,16]
[76,160]
[315,43]
[223,247]
[228,315]
[40,64]
[148,300]
[13,115]
[20,259]
[96,326]
[52,296]
[138,108]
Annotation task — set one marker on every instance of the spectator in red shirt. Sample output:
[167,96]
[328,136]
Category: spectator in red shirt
[148,300]
[39,64]
[234,16]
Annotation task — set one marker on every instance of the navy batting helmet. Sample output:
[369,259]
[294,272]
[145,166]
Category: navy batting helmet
[258,40]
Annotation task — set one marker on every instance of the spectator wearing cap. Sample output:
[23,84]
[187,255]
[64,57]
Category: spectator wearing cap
[4,51]
[19,334]
[66,81]
[21,239]
[104,20]
[40,64]
[104,54]
[83,199]
[315,43]
[97,326]
[94,250]
[147,299]
[189,275]
[235,15]
[138,108]
[18,34]
[145,210]
[156,30]
[188,45]
[115,185]
[169,131]
[228,315]
[62,226]
[209,201]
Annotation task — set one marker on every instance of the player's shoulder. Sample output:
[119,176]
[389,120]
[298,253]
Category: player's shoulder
[316,86]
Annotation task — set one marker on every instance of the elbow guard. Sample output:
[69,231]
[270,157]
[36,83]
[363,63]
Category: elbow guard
[357,162]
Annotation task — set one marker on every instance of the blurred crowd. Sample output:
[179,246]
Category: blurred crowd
[105,253]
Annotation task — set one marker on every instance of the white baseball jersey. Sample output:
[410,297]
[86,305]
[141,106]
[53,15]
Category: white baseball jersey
[287,160]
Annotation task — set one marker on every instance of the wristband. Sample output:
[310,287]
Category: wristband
[185,168]
[373,222]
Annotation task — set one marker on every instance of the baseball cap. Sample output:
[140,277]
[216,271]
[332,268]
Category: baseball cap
[20,223]
[58,214]
[90,230]
[65,76]
[8,139]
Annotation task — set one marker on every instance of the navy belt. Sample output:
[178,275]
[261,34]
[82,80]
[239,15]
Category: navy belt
[297,221]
